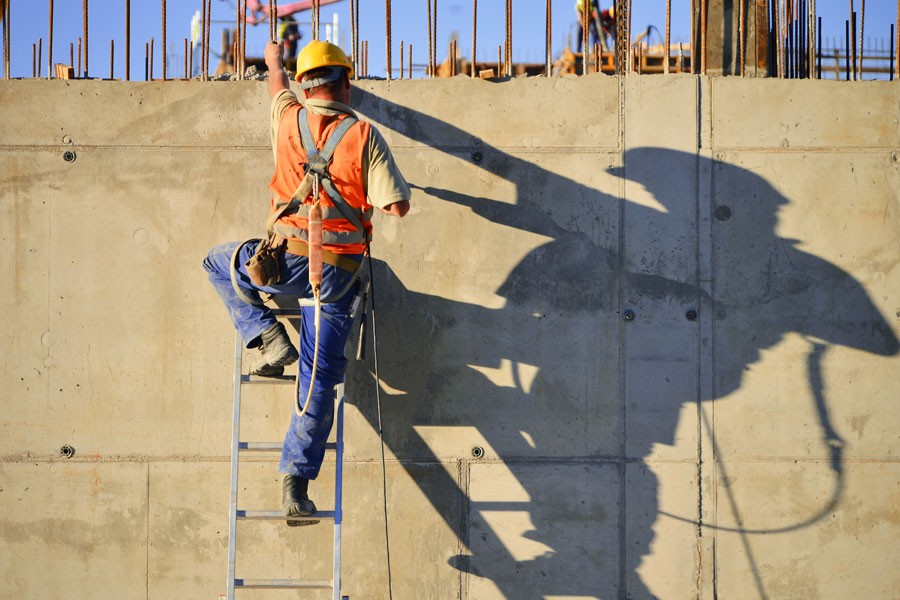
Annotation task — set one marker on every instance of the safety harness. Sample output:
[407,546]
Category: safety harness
[305,202]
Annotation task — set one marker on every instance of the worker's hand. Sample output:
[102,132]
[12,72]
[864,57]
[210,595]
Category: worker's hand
[273,55]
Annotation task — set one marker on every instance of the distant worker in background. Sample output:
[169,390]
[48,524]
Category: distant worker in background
[289,34]
[601,24]
[320,142]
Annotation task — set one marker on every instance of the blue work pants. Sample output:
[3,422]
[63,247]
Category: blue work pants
[304,443]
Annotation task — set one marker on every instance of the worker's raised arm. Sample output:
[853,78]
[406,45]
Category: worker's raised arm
[278,79]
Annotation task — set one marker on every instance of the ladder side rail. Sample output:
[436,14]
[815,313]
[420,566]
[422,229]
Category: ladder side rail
[235,440]
[338,492]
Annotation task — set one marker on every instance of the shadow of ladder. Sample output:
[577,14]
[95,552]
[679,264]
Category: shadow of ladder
[236,514]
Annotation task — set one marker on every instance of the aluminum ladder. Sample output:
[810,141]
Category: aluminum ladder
[236,514]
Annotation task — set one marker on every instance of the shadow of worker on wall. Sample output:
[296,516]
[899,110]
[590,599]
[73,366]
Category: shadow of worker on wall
[544,517]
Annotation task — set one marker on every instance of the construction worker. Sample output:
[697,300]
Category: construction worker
[601,23]
[361,175]
[289,33]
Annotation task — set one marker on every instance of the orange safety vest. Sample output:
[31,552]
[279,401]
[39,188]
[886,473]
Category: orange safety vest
[345,170]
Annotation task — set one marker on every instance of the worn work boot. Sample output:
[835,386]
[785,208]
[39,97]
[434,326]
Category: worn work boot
[276,352]
[295,501]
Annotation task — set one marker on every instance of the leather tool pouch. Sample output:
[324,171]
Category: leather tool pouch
[263,265]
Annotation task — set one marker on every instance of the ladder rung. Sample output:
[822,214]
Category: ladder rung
[286,312]
[308,584]
[277,515]
[259,380]
[272,446]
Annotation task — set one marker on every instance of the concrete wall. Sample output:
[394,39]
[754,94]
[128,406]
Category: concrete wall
[666,308]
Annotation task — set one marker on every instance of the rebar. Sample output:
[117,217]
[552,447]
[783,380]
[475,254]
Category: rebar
[6,44]
[862,22]
[410,61]
[33,61]
[206,39]
[622,39]
[896,44]
[244,40]
[703,16]
[402,56]
[354,50]
[509,38]
[891,53]
[163,47]
[434,40]
[499,59]
[549,42]
[185,76]
[669,33]
[152,53]
[742,35]
[387,23]
[474,33]
[853,44]
[85,11]
[235,43]
[39,55]
[146,61]
[847,58]
[72,55]
[190,71]
[430,72]
[585,26]
[127,40]
[112,58]
[50,44]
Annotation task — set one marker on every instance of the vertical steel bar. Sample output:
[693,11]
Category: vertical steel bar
[434,31]
[585,27]
[499,60]
[410,61]
[244,41]
[742,33]
[50,44]
[853,44]
[147,61]
[668,41]
[33,61]
[896,52]
[6,44]
[510,38]
[186,58]
[549,41]
[819,53]
[812,37]
[86,71]
[6,39]
[238,34]
[40,49]
[191,60]
[72,55]
[387,23]
[891,53]
[164,47]
[152,53]
[847,58]
[703,15]
[207,23]
[428,62]
[203,43]
[474,33]
[112,58]
[354,51]
[862,22]
[693,34]
[78,72]
[127,40]
[402,56]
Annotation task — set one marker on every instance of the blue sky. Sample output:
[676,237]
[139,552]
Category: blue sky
[106,18]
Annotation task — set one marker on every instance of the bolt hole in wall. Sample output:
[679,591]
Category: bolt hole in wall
[164,39]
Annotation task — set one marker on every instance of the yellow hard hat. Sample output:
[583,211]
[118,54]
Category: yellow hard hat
[318,54]
[612,11]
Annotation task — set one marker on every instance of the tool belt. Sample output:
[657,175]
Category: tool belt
[301,248]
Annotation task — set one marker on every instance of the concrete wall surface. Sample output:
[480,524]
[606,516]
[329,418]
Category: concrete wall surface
[666,309]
